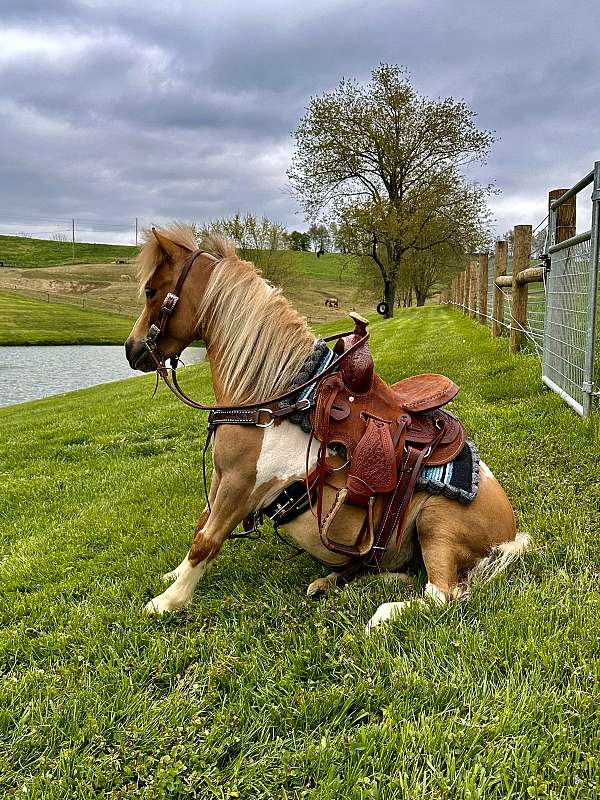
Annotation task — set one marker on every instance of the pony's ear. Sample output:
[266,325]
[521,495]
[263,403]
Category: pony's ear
[173,250]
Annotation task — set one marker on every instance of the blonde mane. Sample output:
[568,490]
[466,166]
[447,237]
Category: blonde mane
[261,341]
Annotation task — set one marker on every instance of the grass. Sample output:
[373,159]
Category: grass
[28,252]
[45,268]
[255,691]
[25,321]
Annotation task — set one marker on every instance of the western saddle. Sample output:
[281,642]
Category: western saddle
[387,434]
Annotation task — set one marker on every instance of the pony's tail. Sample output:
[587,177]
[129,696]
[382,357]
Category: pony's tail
[499,559]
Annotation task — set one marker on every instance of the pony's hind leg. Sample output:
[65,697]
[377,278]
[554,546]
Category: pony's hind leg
[454,538]
[324,586]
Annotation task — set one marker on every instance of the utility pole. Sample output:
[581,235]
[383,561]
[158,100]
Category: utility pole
[136,231]
[73,229]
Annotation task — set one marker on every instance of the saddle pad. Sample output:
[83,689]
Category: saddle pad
[457,480]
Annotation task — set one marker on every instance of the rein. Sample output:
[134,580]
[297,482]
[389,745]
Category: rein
[244,413]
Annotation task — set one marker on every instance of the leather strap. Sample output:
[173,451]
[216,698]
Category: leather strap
[394,515]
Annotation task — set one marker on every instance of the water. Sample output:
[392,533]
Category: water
[30,373]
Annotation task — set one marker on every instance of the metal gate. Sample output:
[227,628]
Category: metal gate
[571,299]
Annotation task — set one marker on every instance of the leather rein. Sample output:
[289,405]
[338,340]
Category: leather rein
[241,414]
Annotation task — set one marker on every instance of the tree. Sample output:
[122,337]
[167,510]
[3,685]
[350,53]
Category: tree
[319,237]
[259,240]
[299,240]
[429,269]
[387,164]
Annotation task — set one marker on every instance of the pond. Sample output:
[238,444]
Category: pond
[30,373]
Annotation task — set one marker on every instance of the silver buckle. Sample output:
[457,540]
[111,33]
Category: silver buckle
[151,338]
[169,303]
[270,422]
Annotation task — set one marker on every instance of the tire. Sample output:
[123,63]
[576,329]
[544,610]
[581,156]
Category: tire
[382,309]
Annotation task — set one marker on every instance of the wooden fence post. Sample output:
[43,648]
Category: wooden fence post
[473,293]
[521,255]
[566,218]
[483,287]
[467,288]
[500,266]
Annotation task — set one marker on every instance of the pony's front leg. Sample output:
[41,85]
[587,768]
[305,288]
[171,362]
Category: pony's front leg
[173,574]
[211,531]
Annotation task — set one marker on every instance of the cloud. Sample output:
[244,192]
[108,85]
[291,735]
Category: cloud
[113,110]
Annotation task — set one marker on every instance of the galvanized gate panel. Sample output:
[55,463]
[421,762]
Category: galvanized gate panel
[570,314]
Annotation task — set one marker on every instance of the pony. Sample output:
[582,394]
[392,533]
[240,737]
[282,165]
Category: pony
[256,343]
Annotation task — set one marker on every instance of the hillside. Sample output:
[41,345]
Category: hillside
[256,691]
[96,281]
[21,251]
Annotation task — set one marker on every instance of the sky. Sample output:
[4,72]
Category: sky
[184,110]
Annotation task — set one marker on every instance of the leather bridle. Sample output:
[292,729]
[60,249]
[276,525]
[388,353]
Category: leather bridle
[257,414]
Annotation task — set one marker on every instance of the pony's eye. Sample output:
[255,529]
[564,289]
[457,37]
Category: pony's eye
[149,292]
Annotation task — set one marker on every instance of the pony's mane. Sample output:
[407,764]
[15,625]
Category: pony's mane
[261,341]
[151,253]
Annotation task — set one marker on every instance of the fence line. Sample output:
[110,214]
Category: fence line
[551,305]
[85,303]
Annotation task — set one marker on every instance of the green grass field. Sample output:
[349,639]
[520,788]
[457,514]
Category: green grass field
[22,251]
[255,691]
[43,267]
[25,321]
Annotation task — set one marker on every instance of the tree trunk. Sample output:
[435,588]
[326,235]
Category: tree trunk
[421,296]
[389,296]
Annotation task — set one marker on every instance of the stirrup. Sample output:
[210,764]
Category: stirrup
[353,532]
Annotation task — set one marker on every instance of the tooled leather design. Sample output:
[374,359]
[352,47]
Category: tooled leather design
[357,370]
[374,458]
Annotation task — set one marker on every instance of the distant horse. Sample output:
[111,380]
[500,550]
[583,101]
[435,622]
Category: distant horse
[256,345]
[125,277]
[331,302]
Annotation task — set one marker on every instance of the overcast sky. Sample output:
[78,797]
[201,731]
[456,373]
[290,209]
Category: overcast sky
[183,110]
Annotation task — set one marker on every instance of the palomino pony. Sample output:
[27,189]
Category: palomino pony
[256,344]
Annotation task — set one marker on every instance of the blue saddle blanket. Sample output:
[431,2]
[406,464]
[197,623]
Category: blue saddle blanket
[457,480]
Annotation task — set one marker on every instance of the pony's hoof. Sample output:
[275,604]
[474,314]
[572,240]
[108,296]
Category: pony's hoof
[161,605]
[385,613]
[318,587]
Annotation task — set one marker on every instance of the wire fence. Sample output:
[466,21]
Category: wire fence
[564,343]
[548,304]
[80,301]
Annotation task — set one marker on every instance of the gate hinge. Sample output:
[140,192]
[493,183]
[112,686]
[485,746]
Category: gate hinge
[588,387]
[595,195]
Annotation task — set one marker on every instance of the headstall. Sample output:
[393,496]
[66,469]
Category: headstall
[257,414]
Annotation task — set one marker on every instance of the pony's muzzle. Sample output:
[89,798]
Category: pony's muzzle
[138,356]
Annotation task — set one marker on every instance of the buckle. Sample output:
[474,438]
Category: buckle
[169,303]
[265,424]
[151,337]
[304,407]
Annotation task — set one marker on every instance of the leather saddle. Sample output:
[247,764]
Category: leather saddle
[388,434]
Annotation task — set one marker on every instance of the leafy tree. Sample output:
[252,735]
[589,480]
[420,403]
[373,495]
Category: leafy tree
[319,237]
[299,241]
[387,164]
[259,240]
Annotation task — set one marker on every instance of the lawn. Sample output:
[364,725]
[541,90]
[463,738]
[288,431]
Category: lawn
[25,321]
[255,691]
